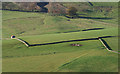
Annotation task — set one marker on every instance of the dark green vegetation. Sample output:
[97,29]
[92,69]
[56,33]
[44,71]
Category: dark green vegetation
[37,28]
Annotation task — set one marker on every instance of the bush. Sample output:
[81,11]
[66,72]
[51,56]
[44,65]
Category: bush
[71,11]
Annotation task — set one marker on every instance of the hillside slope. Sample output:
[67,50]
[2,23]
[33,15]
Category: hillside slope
[64,56]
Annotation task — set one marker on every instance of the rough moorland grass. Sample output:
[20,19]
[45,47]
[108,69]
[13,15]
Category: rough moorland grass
[114,4]
[113,14]
[8,15]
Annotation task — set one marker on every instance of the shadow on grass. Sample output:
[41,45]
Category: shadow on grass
[106,44]
[82,30]
[93,29]
[105,18]
[70,41]
[63,42]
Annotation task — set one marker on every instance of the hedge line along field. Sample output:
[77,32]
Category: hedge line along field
[37,28]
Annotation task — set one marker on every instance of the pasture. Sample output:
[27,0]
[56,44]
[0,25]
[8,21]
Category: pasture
[38,28]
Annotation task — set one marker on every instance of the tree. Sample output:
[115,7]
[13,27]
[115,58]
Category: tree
[71,11]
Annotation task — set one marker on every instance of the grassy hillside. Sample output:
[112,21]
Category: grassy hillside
[113,43]
[99,9]
[47,38]
[42,58]
[96,16]
[37,28]
[17,23]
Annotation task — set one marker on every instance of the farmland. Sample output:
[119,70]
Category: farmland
[39,28]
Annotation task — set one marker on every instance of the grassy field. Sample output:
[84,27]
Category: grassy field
[113,43]
[17,24]
[37,28]
[36,58]
[69,36]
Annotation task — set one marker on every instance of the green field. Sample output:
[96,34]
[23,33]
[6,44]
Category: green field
[38,28]
[42,58]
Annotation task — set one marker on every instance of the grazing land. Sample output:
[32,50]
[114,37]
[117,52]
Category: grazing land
[39,28]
